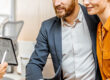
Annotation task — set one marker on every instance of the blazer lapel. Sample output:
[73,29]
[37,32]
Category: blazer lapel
[58,39]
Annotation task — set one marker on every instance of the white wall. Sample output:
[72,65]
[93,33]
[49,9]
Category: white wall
[5,7]
[33,12]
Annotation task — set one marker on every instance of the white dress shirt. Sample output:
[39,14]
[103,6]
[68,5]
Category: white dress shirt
[77,62]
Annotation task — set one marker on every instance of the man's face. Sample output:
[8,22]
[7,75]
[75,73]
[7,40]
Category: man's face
[63,8]
[95,6]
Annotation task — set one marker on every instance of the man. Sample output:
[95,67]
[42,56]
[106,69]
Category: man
[3,68]
[70,38]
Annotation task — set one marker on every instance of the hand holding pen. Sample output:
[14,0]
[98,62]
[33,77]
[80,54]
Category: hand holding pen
[3,65]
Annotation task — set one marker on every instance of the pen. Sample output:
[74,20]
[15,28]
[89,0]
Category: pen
[4,56]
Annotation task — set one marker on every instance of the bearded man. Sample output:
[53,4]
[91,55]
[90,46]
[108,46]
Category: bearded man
[70,38]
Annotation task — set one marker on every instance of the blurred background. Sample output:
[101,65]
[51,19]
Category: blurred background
[31,13]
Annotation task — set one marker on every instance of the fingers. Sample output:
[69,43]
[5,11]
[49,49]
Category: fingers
[1,76]
[3,68]
[5,64]
[2,73]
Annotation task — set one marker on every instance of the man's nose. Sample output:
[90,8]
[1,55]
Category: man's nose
[86,2]
[58,2]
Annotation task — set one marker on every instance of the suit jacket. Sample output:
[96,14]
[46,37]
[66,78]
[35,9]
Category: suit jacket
[49,40]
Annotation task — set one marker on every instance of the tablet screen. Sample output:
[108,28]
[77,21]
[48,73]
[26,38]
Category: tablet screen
[6,45]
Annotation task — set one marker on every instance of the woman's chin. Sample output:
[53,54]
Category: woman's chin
[91,13]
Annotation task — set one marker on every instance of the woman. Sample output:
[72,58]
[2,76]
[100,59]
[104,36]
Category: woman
[102,9]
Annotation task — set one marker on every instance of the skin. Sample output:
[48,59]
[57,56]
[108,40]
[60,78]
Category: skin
[66,9]
[99,7]
[3,68]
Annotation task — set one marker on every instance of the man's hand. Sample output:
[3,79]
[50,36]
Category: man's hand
[3,68]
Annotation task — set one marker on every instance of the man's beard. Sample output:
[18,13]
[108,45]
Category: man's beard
[66,11]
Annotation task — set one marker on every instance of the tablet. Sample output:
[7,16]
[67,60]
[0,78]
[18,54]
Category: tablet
[6,45]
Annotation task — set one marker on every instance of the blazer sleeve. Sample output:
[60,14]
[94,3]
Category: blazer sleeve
[39,57]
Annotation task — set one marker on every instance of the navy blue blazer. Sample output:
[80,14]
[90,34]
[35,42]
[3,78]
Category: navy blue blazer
[49,40]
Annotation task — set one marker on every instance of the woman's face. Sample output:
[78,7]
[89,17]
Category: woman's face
[95,6]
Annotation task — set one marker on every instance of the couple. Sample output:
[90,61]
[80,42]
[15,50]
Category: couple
[78,42]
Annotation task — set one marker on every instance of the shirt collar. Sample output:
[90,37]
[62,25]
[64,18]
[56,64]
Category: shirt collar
[79,18]
[107,24]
